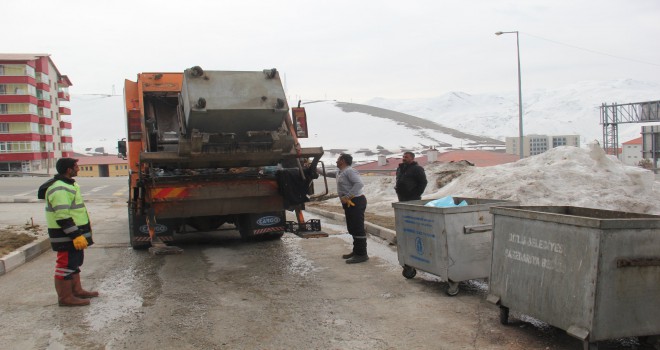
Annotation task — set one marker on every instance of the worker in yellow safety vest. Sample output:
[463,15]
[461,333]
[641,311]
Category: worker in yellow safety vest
[69,230]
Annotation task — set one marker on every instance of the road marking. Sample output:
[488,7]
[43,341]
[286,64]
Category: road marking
[25,193]
[95,189]
[120,192]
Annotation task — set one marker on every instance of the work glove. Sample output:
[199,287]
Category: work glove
[347,200]
[80,242]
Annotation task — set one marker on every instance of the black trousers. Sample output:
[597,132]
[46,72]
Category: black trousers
[404,197]
[355,224]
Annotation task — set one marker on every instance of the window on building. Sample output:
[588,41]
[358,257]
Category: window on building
[559,141]
[43,78]
[16,70]
[19,146]
[4,128]
[17,89]
[538,145]
[44,95]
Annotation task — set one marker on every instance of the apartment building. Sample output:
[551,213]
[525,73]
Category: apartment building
[537,144]
[34,130]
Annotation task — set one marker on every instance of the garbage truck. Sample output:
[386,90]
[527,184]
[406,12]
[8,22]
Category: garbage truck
[208,148]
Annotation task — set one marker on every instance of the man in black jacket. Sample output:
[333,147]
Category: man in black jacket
[410,179]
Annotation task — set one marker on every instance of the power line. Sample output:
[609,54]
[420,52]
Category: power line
[104,95]
[592,51]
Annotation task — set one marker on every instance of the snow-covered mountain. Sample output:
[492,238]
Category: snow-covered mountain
[389,126]
[572,109]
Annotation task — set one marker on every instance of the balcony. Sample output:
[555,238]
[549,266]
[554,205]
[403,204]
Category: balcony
[66,139]
[64,96]
[9,157]
[43,103]
[45,121]
[63,80]
[65,124]
[19,137]
[5,79]
[20,118]
[18,99]
[65,110]
[43,86]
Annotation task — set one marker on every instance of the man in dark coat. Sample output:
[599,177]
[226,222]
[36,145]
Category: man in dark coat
[410,179]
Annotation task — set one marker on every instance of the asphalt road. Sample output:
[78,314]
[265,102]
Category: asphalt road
[223,293]
[92,187]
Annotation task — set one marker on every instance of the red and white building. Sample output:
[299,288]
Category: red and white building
[34,130]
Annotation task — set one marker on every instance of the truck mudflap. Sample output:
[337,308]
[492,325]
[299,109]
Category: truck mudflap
[264,225]
[139,233]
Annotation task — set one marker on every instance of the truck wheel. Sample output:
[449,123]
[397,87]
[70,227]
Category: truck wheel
[409,272]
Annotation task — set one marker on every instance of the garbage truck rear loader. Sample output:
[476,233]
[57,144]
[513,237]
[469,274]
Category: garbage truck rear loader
[207,148]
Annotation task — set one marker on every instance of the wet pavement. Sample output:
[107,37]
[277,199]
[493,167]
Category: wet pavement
[224,293]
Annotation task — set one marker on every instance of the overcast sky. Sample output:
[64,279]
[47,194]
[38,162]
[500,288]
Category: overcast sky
[345,50]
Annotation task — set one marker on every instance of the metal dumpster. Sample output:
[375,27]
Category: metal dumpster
[452,243]
[594,273]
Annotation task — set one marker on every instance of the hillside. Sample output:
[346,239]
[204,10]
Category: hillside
[572,109]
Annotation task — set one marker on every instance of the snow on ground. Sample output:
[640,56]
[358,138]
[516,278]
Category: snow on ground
[562,176]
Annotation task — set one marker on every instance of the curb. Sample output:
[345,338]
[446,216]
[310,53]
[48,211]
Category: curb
[8,199]
[24,254]
[379,231]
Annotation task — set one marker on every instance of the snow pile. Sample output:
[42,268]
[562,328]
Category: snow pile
[562,176]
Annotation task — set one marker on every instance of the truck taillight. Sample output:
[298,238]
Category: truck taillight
[134,129]
[299,121]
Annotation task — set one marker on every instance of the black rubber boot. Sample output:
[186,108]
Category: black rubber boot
[357,259]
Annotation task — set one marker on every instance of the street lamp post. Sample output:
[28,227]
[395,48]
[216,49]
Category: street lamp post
[520,113]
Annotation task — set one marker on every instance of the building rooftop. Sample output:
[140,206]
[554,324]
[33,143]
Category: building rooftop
[99,160]
[21,56]
[637,141]
[476,157]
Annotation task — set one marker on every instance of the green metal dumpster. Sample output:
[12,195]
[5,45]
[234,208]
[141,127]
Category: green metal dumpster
[452,243]
[594,273]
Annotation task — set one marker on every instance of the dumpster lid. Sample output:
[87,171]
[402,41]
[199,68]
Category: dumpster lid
[581,216]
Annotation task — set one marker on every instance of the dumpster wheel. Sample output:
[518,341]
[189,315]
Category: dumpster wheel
[587,345]
[408,272]
[452,289]
[504,315]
